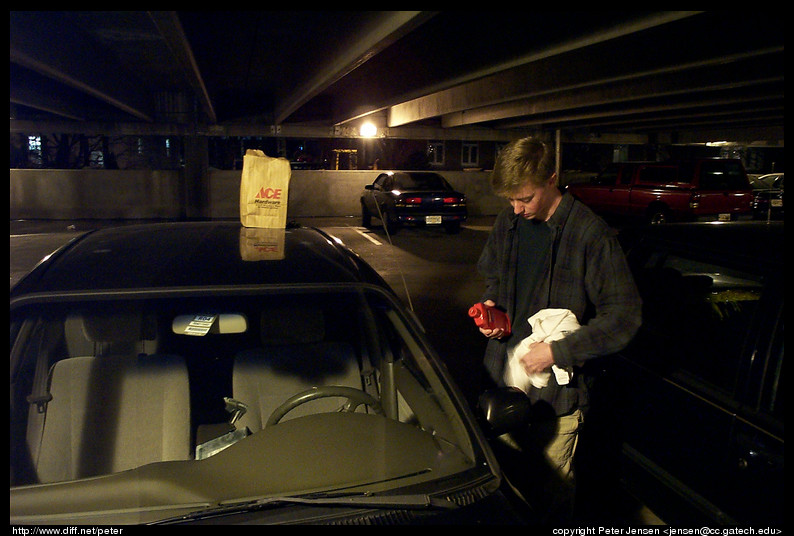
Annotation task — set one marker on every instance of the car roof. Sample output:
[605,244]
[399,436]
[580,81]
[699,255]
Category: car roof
[745,243]
[412,174]
[196,254]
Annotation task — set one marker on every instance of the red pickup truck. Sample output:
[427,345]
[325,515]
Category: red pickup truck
[708,189]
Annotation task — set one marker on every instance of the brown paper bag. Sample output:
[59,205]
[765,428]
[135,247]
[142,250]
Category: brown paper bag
[261,244]
[264,190]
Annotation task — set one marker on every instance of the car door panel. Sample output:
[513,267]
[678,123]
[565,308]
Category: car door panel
[692,383]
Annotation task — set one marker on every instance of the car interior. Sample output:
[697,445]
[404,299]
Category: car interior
[104,389]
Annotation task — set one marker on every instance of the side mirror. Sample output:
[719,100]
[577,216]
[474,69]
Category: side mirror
[503,410]
[369,187]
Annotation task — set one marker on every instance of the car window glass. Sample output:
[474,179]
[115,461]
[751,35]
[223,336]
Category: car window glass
[608,176]
[695,318]
[627,173]
[417,386]
[423,181]
[380,182]
[722,176]
[658,174]
[288,343]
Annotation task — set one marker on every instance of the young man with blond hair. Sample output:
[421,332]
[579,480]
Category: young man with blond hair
[550,251]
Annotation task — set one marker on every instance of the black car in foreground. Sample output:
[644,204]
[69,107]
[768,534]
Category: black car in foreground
[413,198]
[209,373]
[695,405]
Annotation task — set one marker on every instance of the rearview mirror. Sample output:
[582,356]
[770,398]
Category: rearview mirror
[202,324]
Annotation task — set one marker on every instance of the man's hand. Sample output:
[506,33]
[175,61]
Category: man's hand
[492,333]
[538,359]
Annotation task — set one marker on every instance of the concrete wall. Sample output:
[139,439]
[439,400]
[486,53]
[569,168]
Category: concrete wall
[95,194]
[142,194]
[336,193]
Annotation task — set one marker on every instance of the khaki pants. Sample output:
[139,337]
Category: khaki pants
[538,465]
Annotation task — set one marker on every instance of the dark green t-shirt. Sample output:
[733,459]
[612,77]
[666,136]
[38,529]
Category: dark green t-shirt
[534,244]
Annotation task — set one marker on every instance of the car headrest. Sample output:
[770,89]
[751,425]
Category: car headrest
[115,324]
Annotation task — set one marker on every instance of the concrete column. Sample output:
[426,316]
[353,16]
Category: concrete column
[196,177]
[558,156]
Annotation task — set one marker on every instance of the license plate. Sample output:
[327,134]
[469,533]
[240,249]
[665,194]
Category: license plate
[777,202]
[432,220]
[724,217]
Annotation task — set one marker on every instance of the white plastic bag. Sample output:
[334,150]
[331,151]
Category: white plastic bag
[547,325]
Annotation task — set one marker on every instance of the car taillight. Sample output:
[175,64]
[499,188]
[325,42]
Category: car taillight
[452,200]
[413,200]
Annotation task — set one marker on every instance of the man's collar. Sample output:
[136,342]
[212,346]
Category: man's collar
[562,211]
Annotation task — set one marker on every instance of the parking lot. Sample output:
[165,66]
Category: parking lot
[445,91]
[432,271]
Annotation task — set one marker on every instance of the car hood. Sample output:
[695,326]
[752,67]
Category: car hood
[347,451]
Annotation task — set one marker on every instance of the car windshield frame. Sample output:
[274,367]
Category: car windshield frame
[442,423]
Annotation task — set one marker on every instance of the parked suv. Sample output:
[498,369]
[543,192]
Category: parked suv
[705,189]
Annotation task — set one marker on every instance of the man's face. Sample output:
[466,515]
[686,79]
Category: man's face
[535,202]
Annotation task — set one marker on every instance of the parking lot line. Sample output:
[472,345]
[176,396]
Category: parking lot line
[365,233]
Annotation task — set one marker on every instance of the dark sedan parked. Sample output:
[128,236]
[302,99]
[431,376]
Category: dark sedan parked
[697,400]
[413,198]
[209,373]
[768,197]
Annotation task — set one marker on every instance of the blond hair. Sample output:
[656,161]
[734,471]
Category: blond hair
[528,160]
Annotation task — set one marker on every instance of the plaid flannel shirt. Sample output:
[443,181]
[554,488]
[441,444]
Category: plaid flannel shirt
[587,273]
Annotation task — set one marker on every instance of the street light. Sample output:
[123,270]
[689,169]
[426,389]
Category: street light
[368,130]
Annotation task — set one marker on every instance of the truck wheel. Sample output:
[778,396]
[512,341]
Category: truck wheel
[657,215]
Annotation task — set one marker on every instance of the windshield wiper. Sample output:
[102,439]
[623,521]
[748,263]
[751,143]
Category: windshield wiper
[407,501]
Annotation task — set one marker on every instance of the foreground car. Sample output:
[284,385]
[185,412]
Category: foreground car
[697,398]
[209,373]
[413,198]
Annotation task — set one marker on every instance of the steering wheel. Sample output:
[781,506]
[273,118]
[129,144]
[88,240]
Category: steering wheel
[355,397]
